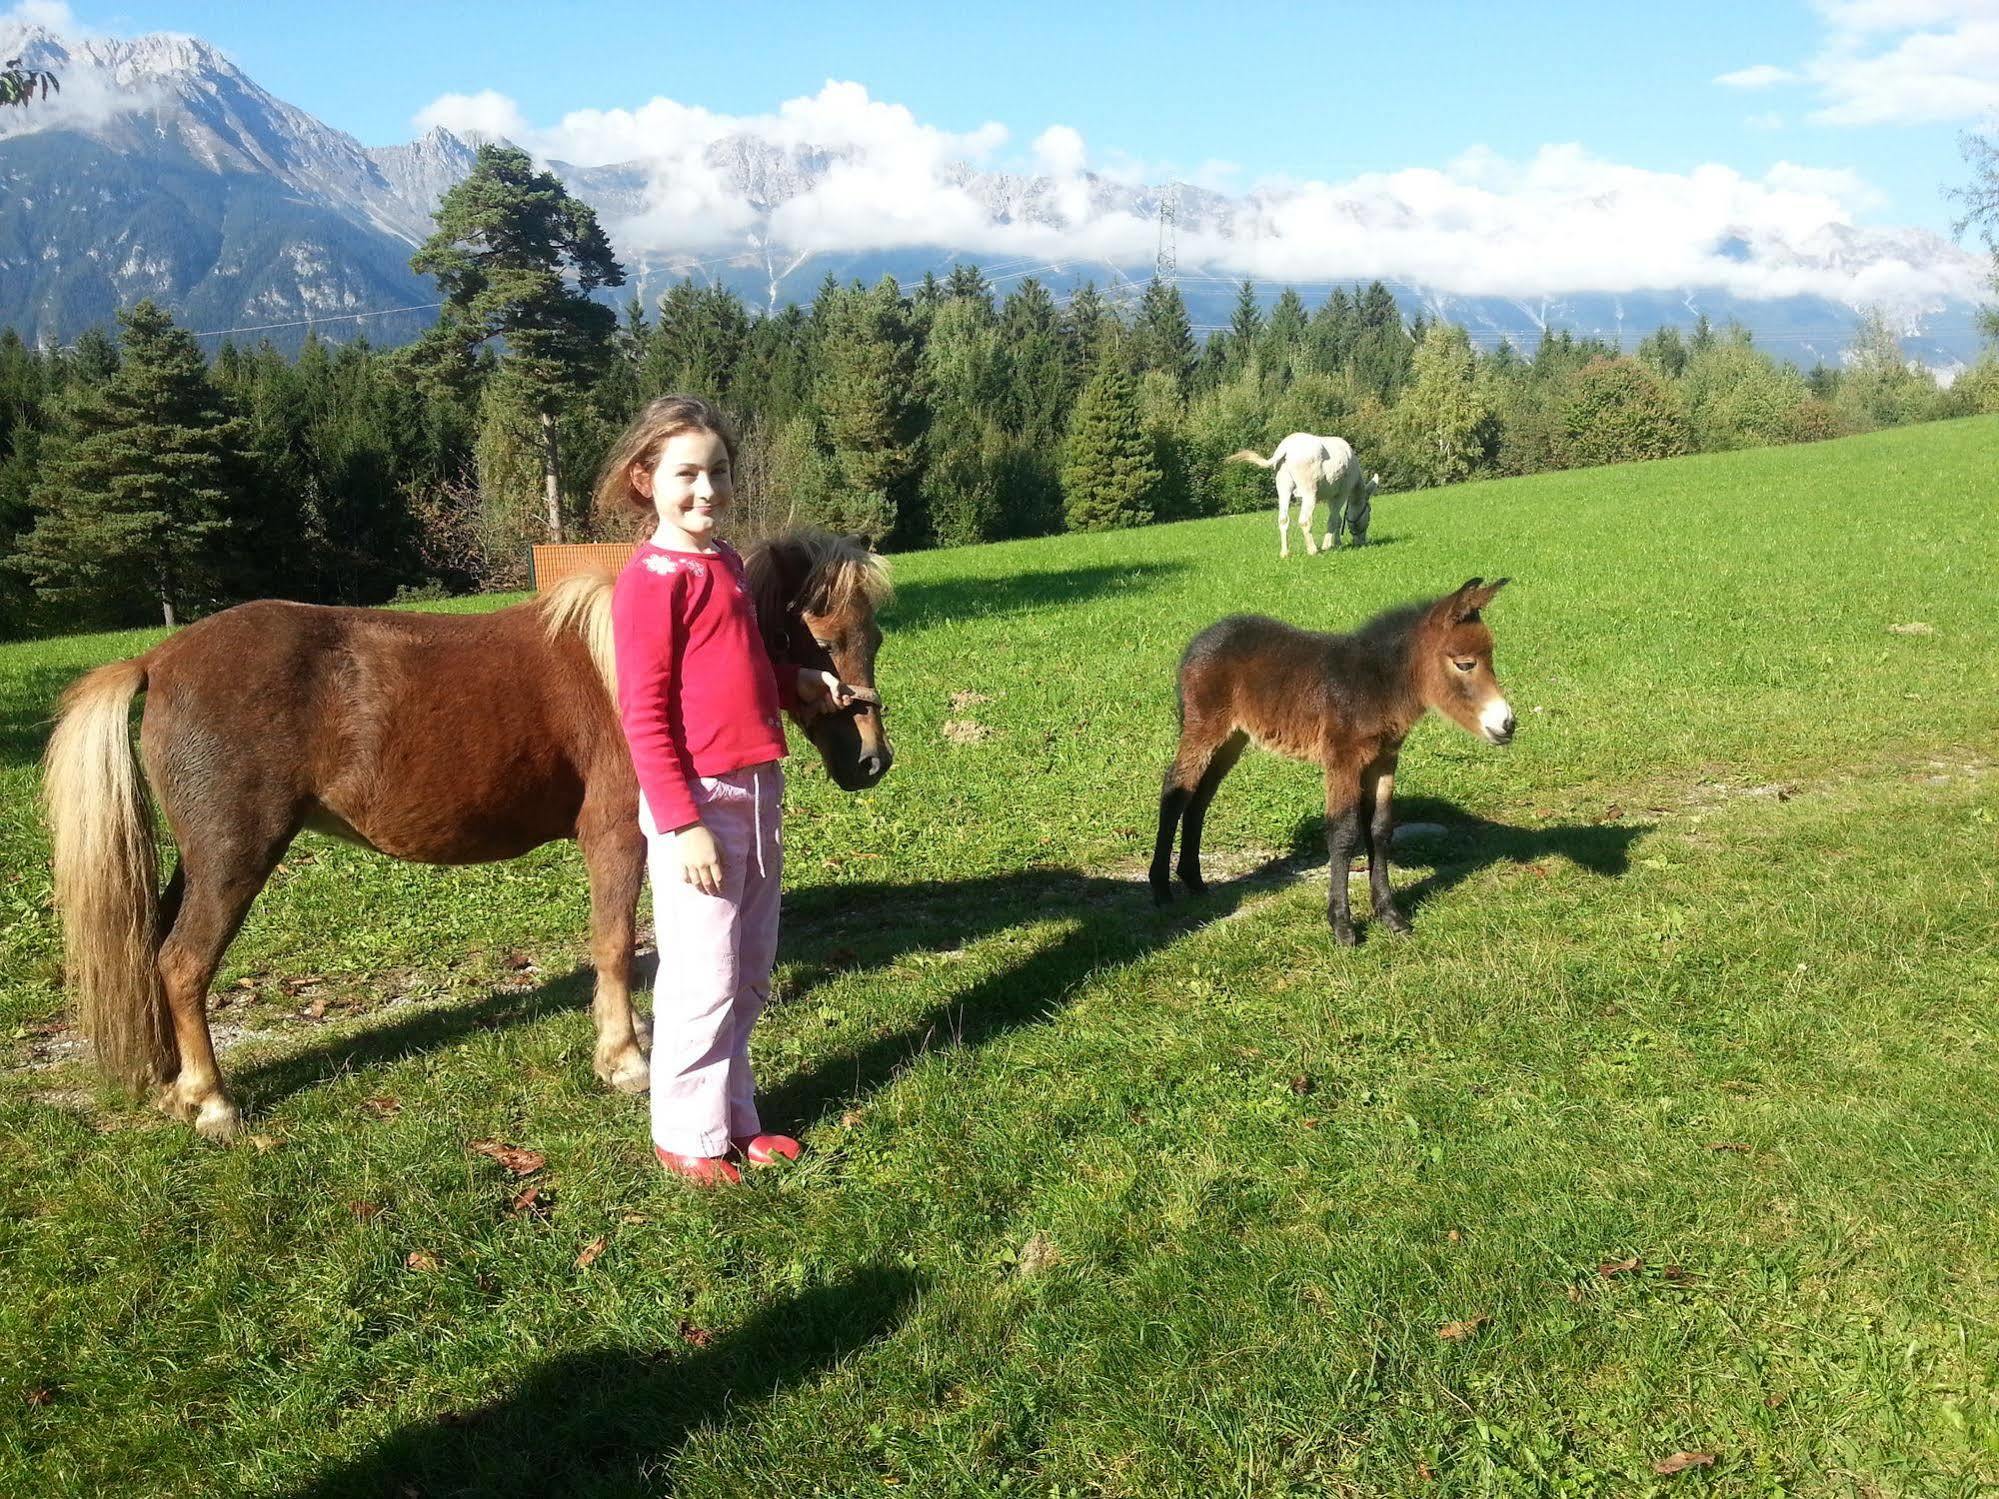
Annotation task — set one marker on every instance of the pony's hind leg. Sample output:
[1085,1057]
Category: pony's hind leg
[214,889]
[614,852]
[1219,765]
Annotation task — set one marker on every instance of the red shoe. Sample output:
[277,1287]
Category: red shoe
[702,1170]
[761,1150]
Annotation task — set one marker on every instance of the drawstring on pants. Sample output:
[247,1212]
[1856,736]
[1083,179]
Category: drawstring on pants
[757,813]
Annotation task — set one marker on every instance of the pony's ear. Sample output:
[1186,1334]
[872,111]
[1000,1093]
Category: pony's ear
[862,540]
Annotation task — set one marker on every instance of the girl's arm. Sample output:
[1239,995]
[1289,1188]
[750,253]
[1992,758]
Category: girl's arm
[645,635]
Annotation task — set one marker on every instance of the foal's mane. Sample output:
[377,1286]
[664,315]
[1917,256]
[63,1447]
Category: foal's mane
[807,569]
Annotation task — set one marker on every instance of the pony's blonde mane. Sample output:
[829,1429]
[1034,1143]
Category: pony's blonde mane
[582,603]
[843,572]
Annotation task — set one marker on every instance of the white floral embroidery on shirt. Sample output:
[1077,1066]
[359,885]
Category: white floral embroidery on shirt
[662,565]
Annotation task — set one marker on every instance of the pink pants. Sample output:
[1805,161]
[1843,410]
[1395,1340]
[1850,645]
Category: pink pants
[716,953]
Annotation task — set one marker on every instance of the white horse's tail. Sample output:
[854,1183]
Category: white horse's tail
[1244,455]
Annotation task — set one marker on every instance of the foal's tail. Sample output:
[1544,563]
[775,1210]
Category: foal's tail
[107,877]
[1244,455]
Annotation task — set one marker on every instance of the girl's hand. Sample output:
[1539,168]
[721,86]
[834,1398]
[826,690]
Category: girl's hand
[821,689]
[700,859]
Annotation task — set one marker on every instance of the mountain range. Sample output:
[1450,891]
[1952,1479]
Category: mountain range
[163,171]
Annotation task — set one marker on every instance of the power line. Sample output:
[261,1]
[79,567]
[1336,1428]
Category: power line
[338,317]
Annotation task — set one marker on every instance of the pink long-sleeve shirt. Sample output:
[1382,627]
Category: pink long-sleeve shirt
[696,691]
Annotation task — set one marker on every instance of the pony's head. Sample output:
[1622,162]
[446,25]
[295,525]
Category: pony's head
[816,598]
[1454,663]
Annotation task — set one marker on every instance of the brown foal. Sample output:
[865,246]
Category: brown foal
[1345,702]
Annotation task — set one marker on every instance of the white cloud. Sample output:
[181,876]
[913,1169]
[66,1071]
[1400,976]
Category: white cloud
[1900,62]
[841,171]
[1763,75]
[1769,119]
[486,113]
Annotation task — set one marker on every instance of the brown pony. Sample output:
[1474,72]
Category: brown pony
[440,739]
[1344,701]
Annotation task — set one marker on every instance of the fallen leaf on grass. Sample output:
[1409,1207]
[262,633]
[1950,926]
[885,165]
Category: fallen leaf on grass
[590,1252]
[41,1394]
[1738,1146]
[1611,813]
[1423,1473]
[633,1218]
[515,1158]
[1677,1274]
[529,1203]
[420,1259]
[264,1142]
[315,1011]
[1619,1267]
[1679,1462]
[1302,1084]
[1457,1332]
[850,1118]
[1454,1236]
[698,1337]
[381,1106]
[365,1210]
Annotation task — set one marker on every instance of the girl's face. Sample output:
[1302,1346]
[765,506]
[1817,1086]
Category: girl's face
[690,486]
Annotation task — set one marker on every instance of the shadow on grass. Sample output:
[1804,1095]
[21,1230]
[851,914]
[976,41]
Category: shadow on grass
[1112,923]
[919,605]
[611,1420]
[1470,843]
[260,1085]
[28,710]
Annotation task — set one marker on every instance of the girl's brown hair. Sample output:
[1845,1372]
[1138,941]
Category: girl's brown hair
[620,506]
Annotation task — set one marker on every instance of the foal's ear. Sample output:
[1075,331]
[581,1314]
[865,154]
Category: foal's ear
[1472,595]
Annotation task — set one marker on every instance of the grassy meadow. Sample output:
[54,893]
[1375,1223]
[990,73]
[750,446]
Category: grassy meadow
[1670,1139]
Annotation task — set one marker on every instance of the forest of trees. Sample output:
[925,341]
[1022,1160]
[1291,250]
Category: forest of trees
[143,479]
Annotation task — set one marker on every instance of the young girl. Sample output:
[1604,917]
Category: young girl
[699,699]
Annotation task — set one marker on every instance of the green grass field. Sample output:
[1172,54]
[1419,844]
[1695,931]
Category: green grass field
[1673,1129]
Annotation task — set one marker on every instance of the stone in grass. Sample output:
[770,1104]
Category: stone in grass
[1410,833]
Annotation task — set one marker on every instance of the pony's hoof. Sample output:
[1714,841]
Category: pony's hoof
[1345,935]
[1395,921]
[628,1073]
[1194,883]
[218,1120]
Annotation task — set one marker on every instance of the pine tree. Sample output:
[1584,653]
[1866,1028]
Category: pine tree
[967,283]
[868,422]
[1282,345]
[509,241]
[1245,328]
[1163,338]
[1038,394]
[142,484]
[1087,325]
[1110,478]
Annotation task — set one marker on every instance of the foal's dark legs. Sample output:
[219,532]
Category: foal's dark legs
[1220,765]
[1377,796]
[1197,769]
[1343,832]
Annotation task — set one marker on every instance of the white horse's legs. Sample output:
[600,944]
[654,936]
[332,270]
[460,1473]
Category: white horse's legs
[1284,518]
[1307,503]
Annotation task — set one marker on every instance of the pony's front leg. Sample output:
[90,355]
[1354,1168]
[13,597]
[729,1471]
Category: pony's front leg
[1308,505]
[614,853]
[1343,831]
[1377,791]
[1283,519]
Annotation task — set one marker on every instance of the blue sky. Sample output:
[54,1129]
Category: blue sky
[1271,90]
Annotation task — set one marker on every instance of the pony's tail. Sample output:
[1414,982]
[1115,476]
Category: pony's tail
[107,877]
[1244,455]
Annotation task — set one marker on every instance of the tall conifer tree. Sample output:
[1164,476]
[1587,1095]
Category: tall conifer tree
[517,257]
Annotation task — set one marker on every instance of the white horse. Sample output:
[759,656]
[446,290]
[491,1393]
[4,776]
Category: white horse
[1304,462]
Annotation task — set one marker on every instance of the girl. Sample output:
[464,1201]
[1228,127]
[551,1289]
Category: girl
[699,700]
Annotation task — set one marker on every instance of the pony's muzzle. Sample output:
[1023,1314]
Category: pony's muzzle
[1496,722]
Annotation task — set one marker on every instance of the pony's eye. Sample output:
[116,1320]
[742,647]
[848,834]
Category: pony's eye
[1464,665]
